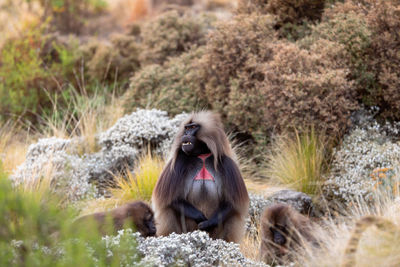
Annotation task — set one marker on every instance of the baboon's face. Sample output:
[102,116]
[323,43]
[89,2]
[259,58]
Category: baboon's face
[145,222]
[191,145]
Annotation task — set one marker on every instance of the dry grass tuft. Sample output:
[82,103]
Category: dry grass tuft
[140,183]
[298,161]
[376,247]
[14,143]
[250,247]
[85,117]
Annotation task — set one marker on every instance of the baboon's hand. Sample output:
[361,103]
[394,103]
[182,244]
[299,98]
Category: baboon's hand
[206,225]
[201,218]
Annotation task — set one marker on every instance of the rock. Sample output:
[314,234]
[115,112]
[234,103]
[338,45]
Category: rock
[257,205]
[298,200]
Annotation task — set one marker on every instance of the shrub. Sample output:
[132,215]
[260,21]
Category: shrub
[384,21]
[294,11]
[232,69]
[174,87]
[299,161]
[376,71]
[260,84]
[292,16]
[252,6]
[68,16]
[171,34]
[303,88]
[33,68]
[352,32]
[366,150]
[111,63]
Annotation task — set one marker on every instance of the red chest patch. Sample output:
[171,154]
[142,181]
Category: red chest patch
[203,174]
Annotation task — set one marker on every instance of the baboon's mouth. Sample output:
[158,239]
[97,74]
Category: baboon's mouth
[186,143]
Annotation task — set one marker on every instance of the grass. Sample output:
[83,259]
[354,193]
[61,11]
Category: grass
[377,247]
[85,116]
[136,185]
[140,183]
[14,143]
[298,161]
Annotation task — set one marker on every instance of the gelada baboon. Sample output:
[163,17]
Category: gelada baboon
[201,186]
[284,231]
[349,256]
[136,215]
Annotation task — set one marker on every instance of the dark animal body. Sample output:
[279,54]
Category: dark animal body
[136,215]
[283,232]
[201,186]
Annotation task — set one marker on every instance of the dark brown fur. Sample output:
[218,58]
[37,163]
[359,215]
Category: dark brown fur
[137,215]
[295,227]
[171,182]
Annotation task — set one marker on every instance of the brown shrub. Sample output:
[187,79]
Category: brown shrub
[349,30]
[384,53]
[292,11]
[174,87]
[261,84]
[304,88]
[232,68]
[376,59]
[172,34]
[252,6]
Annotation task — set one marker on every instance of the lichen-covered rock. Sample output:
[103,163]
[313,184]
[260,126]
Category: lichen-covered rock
[364,162]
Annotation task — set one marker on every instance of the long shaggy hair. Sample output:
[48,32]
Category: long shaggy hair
[211,133]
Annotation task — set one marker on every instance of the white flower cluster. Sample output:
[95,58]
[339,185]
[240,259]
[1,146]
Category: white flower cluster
[367,147]
[54,158]
[73,174]
[191,249]
[141,128]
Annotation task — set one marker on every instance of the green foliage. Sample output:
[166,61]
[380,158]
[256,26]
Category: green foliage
[171,34]
[37,232]
[32,67]
[174,87]
[299,161]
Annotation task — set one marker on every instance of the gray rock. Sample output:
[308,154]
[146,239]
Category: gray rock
[298,200]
